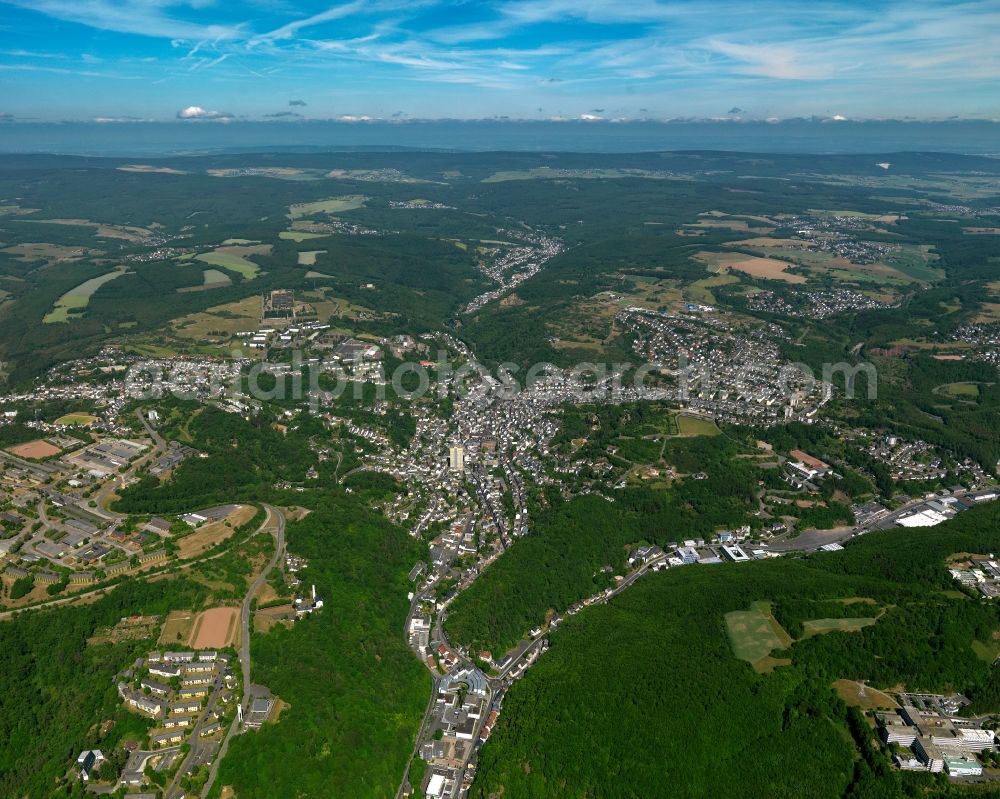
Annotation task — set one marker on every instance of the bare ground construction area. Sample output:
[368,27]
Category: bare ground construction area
[213,533]
[215,628]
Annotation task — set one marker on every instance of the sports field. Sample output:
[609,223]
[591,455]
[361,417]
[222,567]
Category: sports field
[215,628]
[35,450]
[78,418]
[695,426]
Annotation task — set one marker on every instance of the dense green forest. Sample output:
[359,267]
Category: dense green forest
[576,547]
[58,689]
[356,692]
[653,672]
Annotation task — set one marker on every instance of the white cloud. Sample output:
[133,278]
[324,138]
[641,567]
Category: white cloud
[197,112]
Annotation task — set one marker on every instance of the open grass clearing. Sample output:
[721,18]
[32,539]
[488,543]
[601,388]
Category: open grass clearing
[859,695]
[754,634]
[176,629]
[988,651]
[959,390]
[821,626]
[266,619]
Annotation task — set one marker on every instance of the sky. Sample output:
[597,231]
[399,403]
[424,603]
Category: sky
[202,61]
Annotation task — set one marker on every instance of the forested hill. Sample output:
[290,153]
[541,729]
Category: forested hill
[644,697]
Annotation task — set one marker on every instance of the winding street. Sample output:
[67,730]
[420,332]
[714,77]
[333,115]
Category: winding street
[273,514]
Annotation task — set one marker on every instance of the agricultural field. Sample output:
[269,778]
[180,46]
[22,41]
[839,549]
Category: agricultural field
[908,264]
[700,291]
[548,173]
[147,169]
[129,233]
[767,268]
[213,279]
[719,221]
[333,205]
[51,253]
[277,172]
[300,235]
[74,302]
[235,258]
[308,257]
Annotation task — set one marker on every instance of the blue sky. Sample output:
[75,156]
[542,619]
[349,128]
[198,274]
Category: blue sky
[218,60]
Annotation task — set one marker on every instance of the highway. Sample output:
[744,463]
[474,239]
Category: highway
[245,618]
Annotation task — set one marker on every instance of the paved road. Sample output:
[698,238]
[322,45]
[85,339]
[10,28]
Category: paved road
[279,553]
[435,681]
[201,750]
